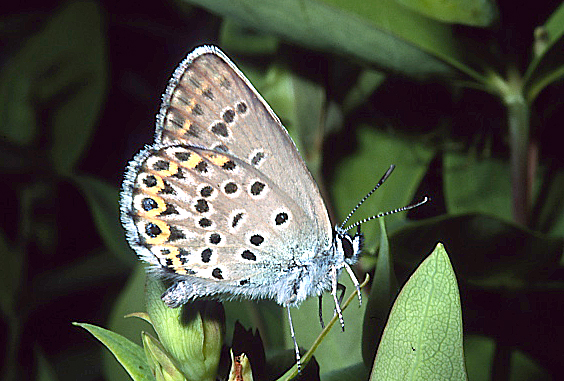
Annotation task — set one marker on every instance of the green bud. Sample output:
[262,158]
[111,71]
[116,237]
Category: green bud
[191,334]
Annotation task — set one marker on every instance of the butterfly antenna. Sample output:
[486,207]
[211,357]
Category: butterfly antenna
[408,207]
[386,175]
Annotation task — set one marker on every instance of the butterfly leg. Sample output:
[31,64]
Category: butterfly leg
[295,342]
[334,293]
[355,282]
[321,311]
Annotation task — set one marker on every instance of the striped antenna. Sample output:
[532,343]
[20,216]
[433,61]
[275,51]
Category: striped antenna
[408,207]
[386,175]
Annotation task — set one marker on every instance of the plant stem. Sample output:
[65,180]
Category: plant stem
[518,115]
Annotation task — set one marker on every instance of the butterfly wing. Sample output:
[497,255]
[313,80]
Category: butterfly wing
[210,103]
[222,201]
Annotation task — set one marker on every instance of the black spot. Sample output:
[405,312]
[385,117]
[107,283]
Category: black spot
[281,218]
[152,230]
[216,273]
[205,223]
[176,233]
[206,191]
[220,129]
[168,262]
[249,255]
[228,116]
[257,239]
[208,94]
[183,252]
[179,174]
[190,272]
[206,255]
[202,167]
[192,131]
[183,260]
[167,189]
[149,204]
[347,246]
[161,165]
[229,165]
[257,188]
[170,209]
[165,251]
[197,110]
[215,238]
[244,282]
[257,158]
[183,155]
[150,181]
[202,206]
[241,107]
[236,219]
[230,188]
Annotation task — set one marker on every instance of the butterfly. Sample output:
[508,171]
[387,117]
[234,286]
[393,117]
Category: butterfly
[223,204]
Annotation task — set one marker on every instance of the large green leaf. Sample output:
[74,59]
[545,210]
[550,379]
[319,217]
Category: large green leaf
[469,12]
[130,355]
[383,32]
[423,337]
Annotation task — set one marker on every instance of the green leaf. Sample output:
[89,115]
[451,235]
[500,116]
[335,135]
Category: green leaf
[468,12]
[130,355]
[103,200]
[131,299]
[376,151]
[235,37]
[423,337]
[479,185]
[63,69]
[383,32]
[383,292]
[547,66]
[475,241]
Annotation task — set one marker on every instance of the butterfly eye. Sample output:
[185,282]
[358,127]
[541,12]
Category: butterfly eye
[347,244]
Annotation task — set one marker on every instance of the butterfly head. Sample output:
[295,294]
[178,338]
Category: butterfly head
[349,245]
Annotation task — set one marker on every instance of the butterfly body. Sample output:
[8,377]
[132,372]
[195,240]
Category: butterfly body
[222,203]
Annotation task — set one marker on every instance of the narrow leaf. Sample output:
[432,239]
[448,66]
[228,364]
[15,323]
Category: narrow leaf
[130,355]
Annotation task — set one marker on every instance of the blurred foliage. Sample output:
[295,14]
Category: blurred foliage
[464,97]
